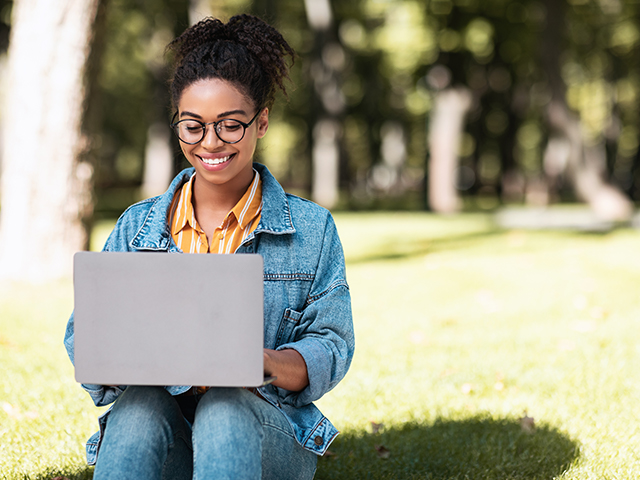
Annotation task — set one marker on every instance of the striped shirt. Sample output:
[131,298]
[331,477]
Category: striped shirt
[238,224]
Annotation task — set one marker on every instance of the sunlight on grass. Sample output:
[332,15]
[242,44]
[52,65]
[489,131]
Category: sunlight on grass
[458,321]
[461,328]
[44,417]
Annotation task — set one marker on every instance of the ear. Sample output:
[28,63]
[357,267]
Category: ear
[263,123]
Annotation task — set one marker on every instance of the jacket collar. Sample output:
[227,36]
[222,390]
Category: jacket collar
[276,214]
[155,233]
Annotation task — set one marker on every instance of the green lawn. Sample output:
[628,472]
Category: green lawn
[461,328]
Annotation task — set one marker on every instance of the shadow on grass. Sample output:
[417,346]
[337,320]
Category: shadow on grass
[84,472]
[403,248]
[476,448]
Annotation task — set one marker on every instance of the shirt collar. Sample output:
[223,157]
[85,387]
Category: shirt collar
[183,210]
[250,204]
[155,231]
[244,211]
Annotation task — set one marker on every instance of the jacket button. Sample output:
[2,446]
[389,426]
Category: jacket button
[318,440]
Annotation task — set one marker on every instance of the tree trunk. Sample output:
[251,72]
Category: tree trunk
[326,67]
[199,9]
[445,133]
[584,165]
[46,187]
[566,152]
[326,159]
[158,160]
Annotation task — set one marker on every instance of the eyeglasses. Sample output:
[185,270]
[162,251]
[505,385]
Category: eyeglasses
[193,131]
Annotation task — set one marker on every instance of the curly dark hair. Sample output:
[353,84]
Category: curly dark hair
[245,51]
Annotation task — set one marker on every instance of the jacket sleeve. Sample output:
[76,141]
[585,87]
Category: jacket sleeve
[324,335]
[101,395]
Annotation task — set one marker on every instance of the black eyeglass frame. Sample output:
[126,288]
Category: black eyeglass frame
[174,124]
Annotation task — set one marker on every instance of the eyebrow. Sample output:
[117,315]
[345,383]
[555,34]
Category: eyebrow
[222,115]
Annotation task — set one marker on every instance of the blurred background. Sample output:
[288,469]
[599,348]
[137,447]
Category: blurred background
[451,138]
[440,105]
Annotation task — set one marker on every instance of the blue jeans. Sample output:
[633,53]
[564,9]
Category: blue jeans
[235,435]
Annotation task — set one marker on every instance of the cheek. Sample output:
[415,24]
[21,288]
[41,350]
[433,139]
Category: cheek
[186,149]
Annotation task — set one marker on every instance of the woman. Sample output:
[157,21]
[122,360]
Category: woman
[222,89]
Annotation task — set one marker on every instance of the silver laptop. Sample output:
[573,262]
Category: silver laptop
[168,319]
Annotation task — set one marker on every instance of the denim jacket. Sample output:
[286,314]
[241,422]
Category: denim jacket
[307,305]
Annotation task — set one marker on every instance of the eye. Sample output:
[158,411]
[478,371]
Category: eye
[191,126]
[230,125]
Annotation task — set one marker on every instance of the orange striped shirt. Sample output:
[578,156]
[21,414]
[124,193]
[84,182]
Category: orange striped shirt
[238,224]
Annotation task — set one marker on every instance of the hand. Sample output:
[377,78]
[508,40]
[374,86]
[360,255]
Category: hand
[288,366]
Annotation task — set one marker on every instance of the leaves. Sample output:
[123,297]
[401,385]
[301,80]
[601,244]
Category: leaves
[329,454]
[383,452]
[527,424]
[376,427]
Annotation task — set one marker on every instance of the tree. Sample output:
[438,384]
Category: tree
[328,59]
[46,184]
[583,159]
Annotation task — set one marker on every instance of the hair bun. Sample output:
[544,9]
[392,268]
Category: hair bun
[245,50]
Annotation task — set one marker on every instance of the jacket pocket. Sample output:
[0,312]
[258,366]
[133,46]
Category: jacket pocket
[290,320]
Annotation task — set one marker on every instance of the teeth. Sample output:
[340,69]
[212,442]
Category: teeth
[215,161]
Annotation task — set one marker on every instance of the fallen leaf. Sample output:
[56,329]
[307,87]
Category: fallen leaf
[13,412]
[527,424]
[376,427]
[31,414]
[329,454]
[383,452]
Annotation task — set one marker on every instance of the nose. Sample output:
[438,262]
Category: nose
[210,140]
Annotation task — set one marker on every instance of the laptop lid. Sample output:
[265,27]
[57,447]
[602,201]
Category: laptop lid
[168,319]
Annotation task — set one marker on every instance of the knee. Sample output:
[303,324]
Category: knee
[226,406]
[227,427]
[142,410]
[141,399]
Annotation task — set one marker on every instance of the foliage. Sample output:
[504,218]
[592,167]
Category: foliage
[498,50]
[389,58]
[130,92]
[460,329]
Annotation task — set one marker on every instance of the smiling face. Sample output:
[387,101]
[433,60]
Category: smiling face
[221,165]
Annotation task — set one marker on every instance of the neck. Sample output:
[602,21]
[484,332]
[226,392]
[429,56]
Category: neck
[220,198]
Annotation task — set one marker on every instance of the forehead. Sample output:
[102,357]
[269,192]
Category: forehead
[212,96]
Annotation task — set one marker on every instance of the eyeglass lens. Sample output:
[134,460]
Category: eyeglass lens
[193,131]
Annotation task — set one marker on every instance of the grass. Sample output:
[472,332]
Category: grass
[462,330]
